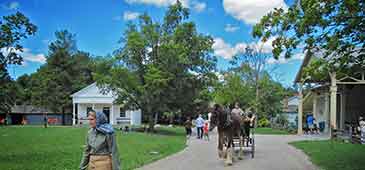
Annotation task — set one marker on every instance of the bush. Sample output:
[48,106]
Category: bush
[263,122]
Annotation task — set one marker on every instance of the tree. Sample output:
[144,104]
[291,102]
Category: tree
[13,29]
[333,28]
[239,86]
[256,60]
[235,88]
[160,67]
[66,71]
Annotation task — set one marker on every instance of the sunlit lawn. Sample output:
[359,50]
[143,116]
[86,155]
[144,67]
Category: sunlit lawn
[333,155]
[56,148]
[270,131]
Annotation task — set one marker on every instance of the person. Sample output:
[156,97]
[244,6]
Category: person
[188,125]
[199,126]
[315,126]
[45,121]
[361,128]
[209,117]
[206,130]
[310,123]
[101,150]
[237,111]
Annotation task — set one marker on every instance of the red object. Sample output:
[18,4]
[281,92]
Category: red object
[205,128]
[52,120]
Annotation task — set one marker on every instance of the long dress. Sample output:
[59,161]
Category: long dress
[101,152]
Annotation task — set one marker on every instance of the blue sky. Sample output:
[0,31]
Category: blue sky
[99,24]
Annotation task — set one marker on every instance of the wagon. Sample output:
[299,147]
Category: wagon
[248,140]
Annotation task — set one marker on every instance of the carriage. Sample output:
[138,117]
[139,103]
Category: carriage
[232,130]
[247,140]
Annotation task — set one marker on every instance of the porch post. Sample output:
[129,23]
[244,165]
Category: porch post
[112,115]
[315,105]
[326,112]
[333,106]
[93,106]
[73,114]
[300,109]
[343,109]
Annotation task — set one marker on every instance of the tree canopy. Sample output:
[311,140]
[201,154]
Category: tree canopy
[160,67]
[333,29]
[13,29]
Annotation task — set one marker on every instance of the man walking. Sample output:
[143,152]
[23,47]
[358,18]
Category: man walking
[199,126]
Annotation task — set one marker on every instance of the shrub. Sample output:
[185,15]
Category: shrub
[263,122]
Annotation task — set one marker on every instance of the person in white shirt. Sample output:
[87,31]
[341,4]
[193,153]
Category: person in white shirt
[199,126]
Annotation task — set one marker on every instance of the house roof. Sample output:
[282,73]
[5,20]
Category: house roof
[305,62]
[92,90]
[29,109]
[93,94]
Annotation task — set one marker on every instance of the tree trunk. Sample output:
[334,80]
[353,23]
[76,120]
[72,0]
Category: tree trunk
[63,116]
[257,94]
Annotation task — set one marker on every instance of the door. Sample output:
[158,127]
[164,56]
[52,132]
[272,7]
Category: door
[106,111]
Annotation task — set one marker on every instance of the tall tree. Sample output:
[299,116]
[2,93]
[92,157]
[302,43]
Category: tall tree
[13,29]
[334,28]
[255,60]
[66,71]
[239,87]
[160,67]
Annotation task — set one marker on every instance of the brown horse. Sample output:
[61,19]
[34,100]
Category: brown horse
[228,126]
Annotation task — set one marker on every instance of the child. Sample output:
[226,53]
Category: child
[361,128]
[188,125]
[206,131]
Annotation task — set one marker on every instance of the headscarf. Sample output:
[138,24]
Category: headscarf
[102,124]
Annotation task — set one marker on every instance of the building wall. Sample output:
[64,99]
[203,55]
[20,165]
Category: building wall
[134,115]
[322,111]
[38,119]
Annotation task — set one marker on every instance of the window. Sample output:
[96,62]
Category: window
[122,112]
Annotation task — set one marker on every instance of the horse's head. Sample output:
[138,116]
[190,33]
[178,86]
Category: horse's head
[218,117]
[213,118]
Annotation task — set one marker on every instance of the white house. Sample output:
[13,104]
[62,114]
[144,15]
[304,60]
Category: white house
[91,97]
[290,109]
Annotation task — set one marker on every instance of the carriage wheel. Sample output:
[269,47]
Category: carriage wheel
[253,148]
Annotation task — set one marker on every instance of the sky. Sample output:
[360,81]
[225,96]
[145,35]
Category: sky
[99,25]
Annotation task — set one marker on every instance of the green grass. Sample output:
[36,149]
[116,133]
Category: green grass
[270,131]
[56,148]
[334,155]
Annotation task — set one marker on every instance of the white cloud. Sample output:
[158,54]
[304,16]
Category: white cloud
[250,11]
[231,28]
[158,3]
[227,51]
[199,6]
[128,15]
[12,5]
[27,55]
[38,58]
[194,4]
[283,60]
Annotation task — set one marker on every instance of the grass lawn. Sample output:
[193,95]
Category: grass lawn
[56,148]
[333,155]
[270,131]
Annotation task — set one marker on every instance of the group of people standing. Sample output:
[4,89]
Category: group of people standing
[202,127]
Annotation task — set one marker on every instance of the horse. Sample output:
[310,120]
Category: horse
[228,126]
